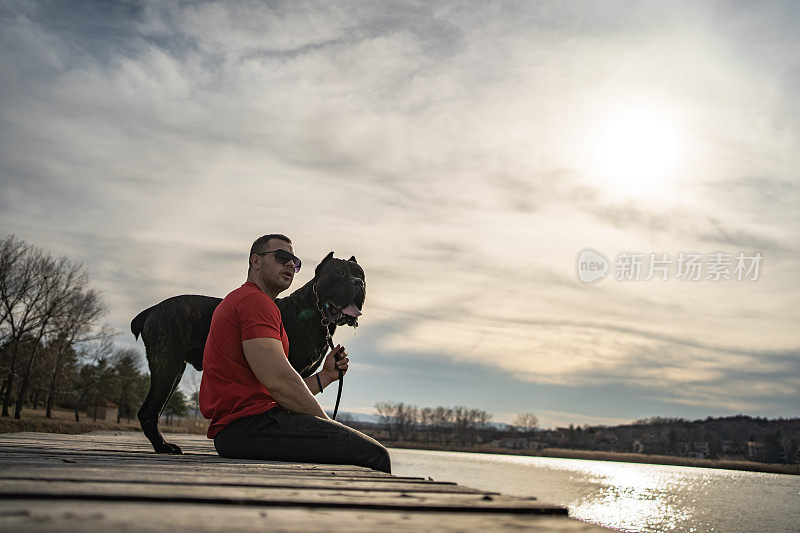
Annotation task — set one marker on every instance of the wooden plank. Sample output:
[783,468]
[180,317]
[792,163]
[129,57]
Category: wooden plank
[357,499]
[187,457]
[34,516]
[298,470]
[218,470]
[102,475]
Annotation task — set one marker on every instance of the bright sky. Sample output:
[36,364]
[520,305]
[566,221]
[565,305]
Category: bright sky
[466,153]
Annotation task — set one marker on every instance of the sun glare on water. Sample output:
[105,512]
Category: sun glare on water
[637,153]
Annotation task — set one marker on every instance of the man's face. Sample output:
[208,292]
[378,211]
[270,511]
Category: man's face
[275,276]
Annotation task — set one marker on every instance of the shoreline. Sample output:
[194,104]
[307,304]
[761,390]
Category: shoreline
[60,424]
[619,457]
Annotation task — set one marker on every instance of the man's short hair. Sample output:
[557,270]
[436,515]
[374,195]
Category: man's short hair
[260,244]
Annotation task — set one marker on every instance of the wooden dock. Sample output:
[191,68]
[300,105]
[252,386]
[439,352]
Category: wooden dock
[108,480]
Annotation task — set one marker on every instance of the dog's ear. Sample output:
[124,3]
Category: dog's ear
[327,257]
[353,259]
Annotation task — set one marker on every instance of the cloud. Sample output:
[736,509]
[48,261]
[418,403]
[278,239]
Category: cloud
[745,197]
[579,353]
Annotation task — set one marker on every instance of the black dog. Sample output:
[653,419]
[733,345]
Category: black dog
[174,332]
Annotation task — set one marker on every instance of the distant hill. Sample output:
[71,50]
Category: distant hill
[733,437]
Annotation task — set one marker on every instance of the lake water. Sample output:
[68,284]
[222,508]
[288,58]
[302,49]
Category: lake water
[626,496]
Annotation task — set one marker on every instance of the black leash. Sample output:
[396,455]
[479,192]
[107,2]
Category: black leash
[325,322]
[341,378]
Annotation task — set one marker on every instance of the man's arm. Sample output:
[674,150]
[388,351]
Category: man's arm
[335,360]
[270,366]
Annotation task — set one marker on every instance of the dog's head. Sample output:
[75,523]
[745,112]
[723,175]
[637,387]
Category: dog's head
[341,289]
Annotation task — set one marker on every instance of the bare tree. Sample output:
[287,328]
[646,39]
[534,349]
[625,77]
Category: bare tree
[12,253]
[484,418]
[74,325]
[527,423]
[475,417]
[20,298]
[59,280]
[463,423]
[94,377]
[444,420]
[408,418]
[386,413]
[399,420]
[47,301]
[426,420]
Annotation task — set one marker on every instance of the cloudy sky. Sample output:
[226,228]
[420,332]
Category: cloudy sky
[465,153]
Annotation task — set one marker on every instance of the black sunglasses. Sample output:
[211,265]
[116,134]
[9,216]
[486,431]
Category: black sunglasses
[283,257]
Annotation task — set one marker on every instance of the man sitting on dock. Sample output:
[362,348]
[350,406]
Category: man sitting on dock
[259,406]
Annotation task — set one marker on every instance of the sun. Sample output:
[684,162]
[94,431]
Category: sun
[637,151]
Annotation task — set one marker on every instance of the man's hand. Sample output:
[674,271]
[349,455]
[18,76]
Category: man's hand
[335,360]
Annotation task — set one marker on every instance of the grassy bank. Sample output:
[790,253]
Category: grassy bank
[64,422]
[749,466]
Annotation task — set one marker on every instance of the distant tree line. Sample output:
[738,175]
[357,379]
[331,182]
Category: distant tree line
[739,437]
[446,425]
[755,438]
[54,350]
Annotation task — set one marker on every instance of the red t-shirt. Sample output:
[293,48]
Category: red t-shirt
[229,390]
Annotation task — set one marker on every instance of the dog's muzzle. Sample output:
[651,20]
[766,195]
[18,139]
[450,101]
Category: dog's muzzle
[342,316]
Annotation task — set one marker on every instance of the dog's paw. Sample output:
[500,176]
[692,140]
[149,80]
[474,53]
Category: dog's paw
[168,447]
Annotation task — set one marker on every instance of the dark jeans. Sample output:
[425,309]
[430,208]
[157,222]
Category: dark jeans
[281,435]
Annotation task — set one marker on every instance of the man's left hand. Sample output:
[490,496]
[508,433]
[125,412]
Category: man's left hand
[335,360]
